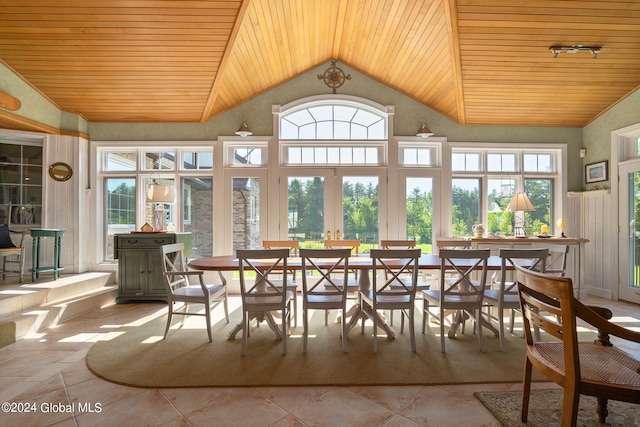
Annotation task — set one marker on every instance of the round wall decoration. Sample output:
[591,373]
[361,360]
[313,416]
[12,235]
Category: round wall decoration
[334,77]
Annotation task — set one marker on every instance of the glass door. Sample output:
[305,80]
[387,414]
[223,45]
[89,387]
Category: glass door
[332,204]
[306,204]
[629,222]
[246,191]
[418,214]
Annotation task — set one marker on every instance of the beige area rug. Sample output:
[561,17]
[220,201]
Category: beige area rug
[136,355]
[545,408]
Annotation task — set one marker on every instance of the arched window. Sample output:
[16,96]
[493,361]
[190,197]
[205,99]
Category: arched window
[334,121]
[345,131]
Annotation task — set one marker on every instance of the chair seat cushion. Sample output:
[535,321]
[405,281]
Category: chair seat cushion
[597,362]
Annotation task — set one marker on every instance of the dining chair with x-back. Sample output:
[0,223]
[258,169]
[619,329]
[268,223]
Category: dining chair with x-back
[390,288]
[352,284]
[423,279]
[180,288]
[323,273]
[261,296]
[503,293]
[292,284]
[462,294]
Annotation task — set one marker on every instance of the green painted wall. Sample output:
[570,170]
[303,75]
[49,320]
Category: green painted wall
[36,107]
[408,117]
[597,134]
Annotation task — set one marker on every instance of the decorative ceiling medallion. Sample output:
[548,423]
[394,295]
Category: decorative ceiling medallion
[334,77]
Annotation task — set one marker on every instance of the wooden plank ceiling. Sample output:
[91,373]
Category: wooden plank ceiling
[481,62]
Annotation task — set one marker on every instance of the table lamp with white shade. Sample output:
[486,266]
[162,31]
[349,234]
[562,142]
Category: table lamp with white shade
[561,225]
[519,202]
[160,194]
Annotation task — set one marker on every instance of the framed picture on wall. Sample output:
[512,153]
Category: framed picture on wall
[596,172]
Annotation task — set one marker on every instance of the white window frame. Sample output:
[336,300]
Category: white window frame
[558,174]
[434,148]
[98,163]
[230,147]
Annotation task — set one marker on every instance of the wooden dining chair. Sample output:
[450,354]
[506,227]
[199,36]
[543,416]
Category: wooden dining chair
[453,243]
[503,294]
[398,244]
[292,284]
[263,296]
[594,368]
[180,288]
[391,290]
[324,271]
[462,294]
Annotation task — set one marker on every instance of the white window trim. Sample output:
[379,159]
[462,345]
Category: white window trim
[97,159]
[559,202]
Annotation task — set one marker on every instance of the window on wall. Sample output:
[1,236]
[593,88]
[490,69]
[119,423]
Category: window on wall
[465,194]
[421,154]
[540,192]
[327,155]
[500,191]
[20,182]
[333,133]
[465,162]
[195,160]
[120,209]
[163,160]
[197,213]
[483,182]
[333,121]
[419,211]
[128,172]
[239,154]
[244,205]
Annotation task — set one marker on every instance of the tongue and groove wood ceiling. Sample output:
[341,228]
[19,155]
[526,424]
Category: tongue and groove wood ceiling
[478,62]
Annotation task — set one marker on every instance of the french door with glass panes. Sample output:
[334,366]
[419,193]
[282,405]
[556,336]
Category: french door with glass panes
[419,208]
[245,190]
[629,222]
[318,204]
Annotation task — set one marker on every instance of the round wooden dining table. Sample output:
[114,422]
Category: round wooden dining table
[361,262]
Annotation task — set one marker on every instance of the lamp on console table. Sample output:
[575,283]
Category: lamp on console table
[561,225]
[519,202]
[159,195]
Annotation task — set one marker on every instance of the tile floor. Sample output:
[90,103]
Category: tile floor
[48,372]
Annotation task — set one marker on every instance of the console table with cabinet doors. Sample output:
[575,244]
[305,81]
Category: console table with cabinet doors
[140,264]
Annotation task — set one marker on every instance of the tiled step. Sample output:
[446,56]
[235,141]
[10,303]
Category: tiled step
[38,306]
